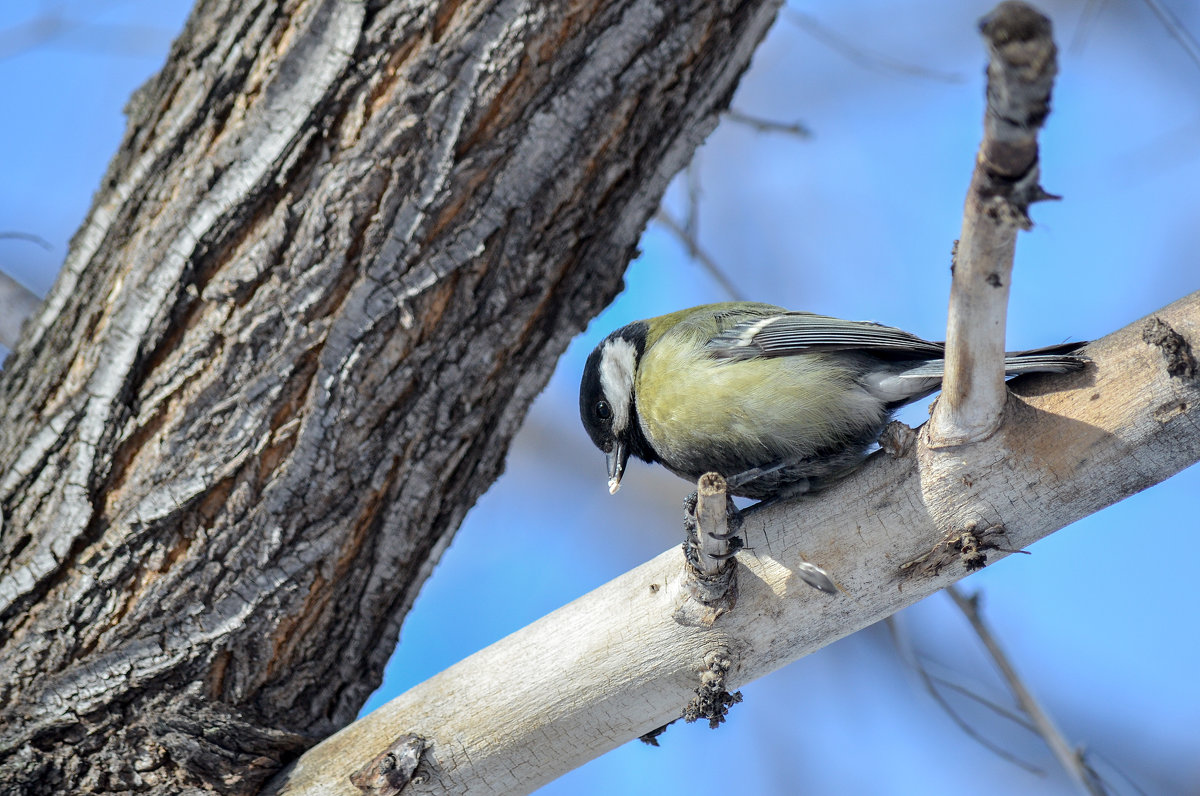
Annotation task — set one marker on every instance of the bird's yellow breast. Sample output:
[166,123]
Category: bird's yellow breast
[687,400]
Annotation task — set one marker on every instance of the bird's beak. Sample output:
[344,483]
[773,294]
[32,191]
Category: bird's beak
[616,466]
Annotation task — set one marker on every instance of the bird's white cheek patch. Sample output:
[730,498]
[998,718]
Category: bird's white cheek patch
[617,363]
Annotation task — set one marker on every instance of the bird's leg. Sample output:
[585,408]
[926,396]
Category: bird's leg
[755,473]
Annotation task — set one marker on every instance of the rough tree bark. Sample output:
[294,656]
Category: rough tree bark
[335,258]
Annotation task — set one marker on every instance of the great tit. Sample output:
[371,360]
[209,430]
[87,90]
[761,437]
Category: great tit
[778,402]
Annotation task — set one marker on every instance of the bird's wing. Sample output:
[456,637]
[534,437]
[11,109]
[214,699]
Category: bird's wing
[788,333]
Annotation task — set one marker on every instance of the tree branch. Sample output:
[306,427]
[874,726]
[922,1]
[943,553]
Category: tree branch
[694,250]
[615,663]
[1071,760]
[1021,73]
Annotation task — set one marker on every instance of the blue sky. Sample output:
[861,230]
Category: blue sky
[856,221]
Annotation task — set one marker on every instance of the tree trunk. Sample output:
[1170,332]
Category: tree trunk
[334,260]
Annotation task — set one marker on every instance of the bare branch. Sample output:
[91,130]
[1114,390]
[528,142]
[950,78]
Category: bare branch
[931,686]
[864,58]
[1071,760]
[698,254]
[1087,17]
[1021,73]
[712,523]
[768,125]
[995,707]
[691,223]
[28,237]
[60,31]
[1172,23]
[1176,28]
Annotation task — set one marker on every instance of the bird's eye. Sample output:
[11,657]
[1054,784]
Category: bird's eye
[603,410]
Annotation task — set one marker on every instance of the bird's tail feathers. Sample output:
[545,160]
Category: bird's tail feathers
[1061,358]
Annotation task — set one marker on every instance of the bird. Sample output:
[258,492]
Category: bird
[779,402]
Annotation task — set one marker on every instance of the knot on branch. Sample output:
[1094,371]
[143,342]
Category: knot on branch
[1174,347]
[712,701]
[968,546]
[897,439]
[390,771]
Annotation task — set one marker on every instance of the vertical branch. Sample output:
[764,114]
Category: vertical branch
[712,525]
[1021,72]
